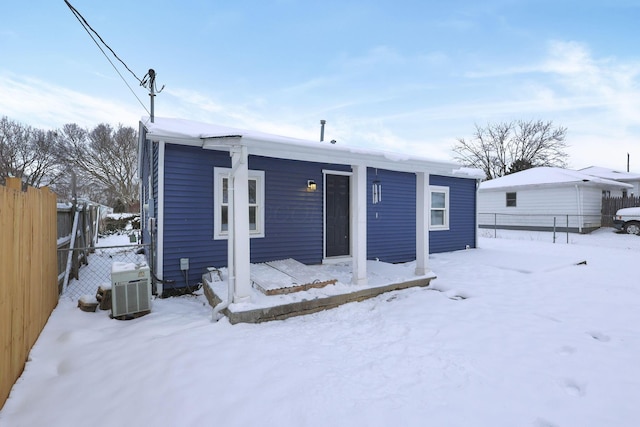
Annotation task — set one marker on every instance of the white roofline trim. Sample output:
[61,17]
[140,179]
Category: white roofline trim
[260,144]
[610,184]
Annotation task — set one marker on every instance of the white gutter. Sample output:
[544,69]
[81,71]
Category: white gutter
[312,151]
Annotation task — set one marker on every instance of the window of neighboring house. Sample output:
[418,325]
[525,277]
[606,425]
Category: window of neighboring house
[606,193]
[222,196]
[624,193]
[511,199]
[439,215]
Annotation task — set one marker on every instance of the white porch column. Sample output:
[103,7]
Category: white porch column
[423,202]
[240,223]
[358,224]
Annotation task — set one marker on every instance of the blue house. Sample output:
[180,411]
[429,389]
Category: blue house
[224,197]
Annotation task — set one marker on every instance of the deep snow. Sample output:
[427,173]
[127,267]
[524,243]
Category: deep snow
[511,334]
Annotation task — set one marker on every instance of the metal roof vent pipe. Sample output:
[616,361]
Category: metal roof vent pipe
[322,123]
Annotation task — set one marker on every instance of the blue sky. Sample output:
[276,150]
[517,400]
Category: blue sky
[405,76]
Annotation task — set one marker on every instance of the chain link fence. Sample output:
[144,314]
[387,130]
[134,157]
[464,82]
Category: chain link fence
[557,227]
[95,268]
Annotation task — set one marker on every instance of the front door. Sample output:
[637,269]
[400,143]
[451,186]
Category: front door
[337,215]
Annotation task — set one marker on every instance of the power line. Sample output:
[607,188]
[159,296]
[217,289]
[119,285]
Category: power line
[86,25]
[90,30]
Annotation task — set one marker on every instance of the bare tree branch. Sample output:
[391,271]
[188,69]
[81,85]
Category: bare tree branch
[503,148]
[28,153]
[105,158]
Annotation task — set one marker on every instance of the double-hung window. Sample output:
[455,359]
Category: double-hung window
[439,215]
[512,199]
[222,198]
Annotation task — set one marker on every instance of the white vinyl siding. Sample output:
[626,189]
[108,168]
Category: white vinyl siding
[536,207]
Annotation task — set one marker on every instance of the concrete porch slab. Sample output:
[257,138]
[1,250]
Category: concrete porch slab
[382,277]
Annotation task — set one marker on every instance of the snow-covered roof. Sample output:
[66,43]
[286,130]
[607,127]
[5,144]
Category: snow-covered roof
[549,176]
[470,172]
[210,136]
[607,173]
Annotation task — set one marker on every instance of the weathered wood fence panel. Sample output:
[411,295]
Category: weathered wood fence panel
[28,291]
[88,220]
[611,204]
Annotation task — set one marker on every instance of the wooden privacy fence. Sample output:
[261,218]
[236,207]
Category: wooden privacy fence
[28,271]
[611,204]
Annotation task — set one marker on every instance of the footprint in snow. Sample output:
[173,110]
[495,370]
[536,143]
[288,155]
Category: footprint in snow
[573,388]
[566,350]
[64,367]
[599,336]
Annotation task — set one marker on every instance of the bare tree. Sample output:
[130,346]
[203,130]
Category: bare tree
[503,148]
[105,161]
[29,153]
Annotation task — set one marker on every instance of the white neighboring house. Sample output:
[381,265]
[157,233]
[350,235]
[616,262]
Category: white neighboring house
[543,198]
[626,177]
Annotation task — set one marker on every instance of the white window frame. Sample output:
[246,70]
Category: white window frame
[445,190]
[218,175]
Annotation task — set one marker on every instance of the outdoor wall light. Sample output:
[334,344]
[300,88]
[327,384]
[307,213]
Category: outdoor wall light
[311,185]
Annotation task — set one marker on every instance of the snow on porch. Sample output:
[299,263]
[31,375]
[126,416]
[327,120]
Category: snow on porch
[286,276]
[291,298]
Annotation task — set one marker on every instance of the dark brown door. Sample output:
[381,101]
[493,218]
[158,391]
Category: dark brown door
[337,215]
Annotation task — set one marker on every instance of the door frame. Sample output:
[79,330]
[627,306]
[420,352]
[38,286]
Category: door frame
[342,258]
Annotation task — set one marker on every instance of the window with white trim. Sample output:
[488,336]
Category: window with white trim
[221,200]
[439,214]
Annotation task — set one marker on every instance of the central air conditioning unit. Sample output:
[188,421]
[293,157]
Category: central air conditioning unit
[130,290]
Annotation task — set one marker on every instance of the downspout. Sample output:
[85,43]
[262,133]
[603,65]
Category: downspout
[578,198]
[478,181]
[231,275]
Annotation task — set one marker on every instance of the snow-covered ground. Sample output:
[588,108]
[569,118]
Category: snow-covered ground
[520,332]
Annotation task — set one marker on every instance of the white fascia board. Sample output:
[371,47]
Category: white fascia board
[571,184]
[223,143]
[316,153]
[197,142]
[313,153]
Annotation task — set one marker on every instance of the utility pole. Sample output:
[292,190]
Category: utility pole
[152,93]
[149,81]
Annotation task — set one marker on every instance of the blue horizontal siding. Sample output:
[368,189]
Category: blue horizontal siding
[391,223]
[462,215]
[293,216]
[188,212]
